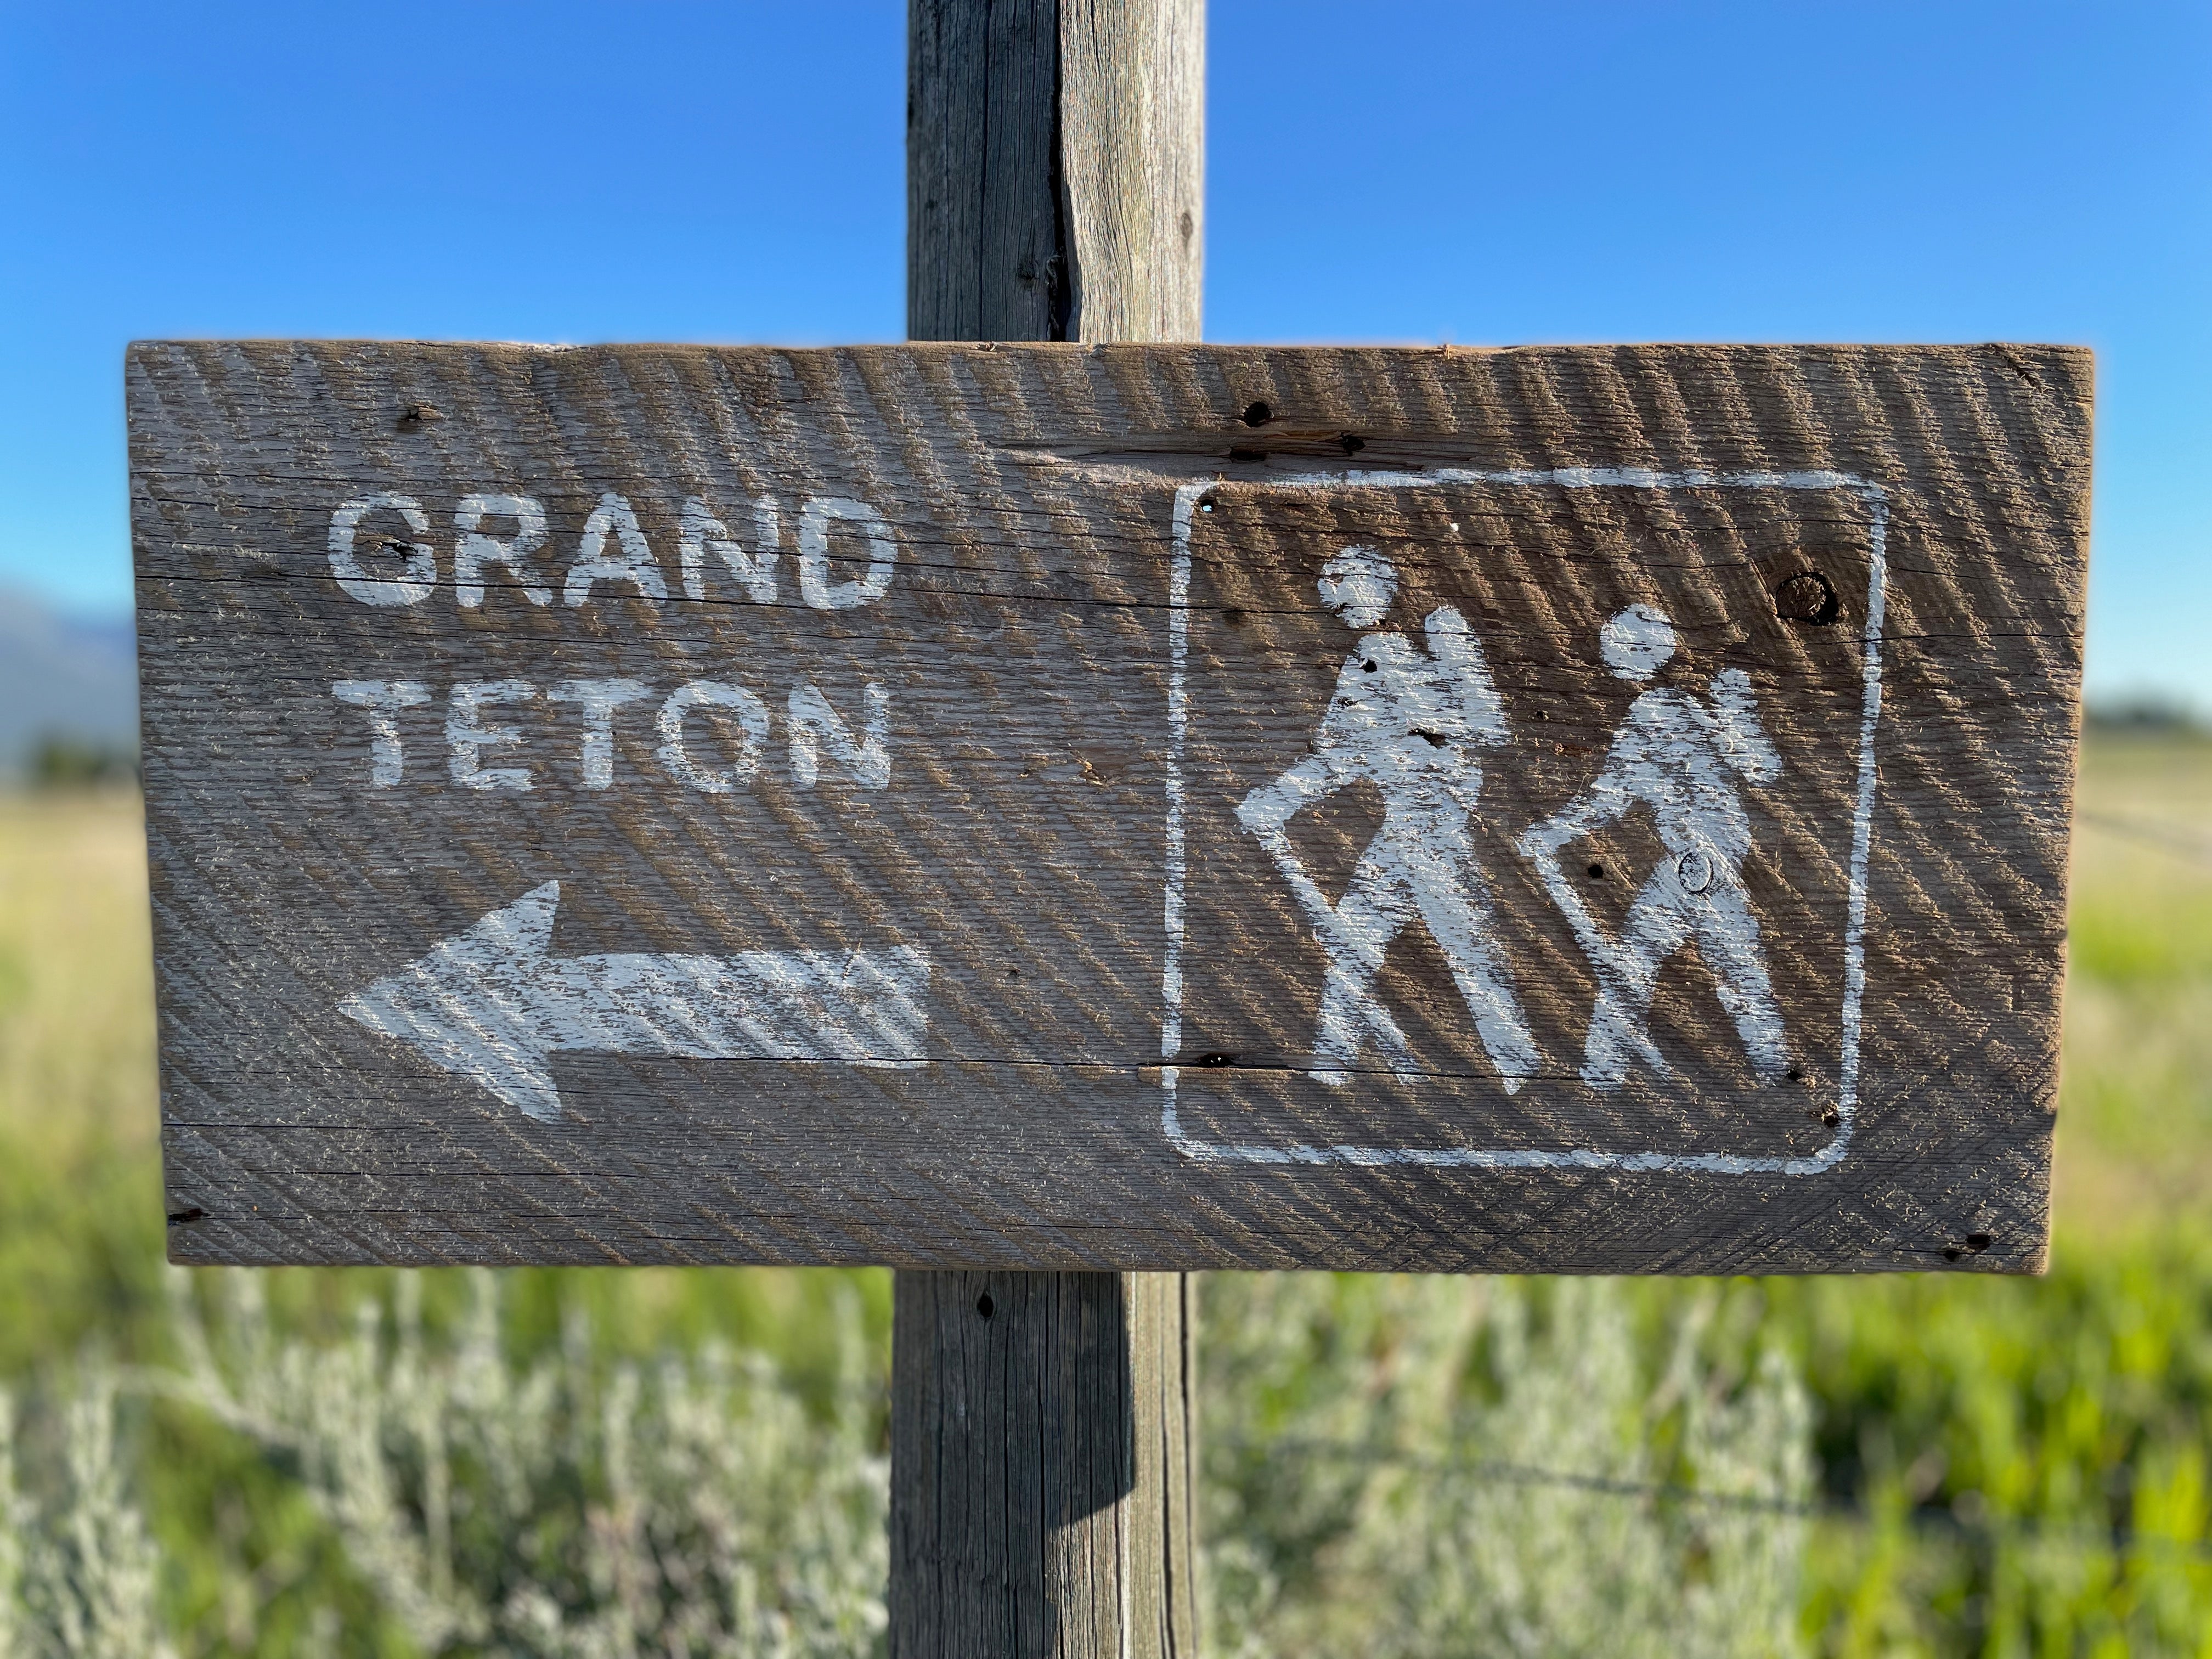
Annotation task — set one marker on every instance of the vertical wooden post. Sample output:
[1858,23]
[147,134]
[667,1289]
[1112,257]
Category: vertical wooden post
[1041,1424]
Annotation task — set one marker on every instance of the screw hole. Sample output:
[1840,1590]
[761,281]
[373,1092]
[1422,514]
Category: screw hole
[1258,414]
[1351,443]
[1597,873]
[1979,1241]
[984,1304]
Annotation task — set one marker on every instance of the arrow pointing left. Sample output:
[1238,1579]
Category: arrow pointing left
[493,1002]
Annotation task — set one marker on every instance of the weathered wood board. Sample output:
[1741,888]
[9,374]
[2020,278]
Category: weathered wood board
[1137,807]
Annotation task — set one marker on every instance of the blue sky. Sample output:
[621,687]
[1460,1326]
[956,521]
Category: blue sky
[1400,172]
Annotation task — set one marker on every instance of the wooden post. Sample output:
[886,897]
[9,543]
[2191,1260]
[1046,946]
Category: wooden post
[1042,1424]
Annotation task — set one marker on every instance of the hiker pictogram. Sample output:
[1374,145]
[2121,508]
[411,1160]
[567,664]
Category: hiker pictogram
[1407,721]
[1681,757]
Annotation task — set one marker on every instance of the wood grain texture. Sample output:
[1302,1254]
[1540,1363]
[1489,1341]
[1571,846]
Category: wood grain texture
[1042,1459]
[1133,160]
[1055,169]
[1042,1462]
[1026,645]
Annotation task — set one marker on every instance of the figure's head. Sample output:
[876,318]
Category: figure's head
[1358,585]
[1638,643]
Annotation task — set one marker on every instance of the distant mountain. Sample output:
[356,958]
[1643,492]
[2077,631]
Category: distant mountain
[64,677]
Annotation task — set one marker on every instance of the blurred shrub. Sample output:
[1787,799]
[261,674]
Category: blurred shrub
[1394,1468]
[573,1506]
[60,761]
[81,1581]
[1437,1465]
[1371,1444]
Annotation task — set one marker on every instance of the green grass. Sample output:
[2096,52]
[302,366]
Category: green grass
[2033,1453]
[2007,1466]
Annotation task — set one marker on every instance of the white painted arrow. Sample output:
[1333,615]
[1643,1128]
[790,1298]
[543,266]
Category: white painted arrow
[493,1003]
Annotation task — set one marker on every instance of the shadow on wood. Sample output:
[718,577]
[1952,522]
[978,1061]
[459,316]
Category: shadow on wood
[1041,1465]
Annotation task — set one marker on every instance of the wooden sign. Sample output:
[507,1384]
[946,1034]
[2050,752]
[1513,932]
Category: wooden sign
[1139,807]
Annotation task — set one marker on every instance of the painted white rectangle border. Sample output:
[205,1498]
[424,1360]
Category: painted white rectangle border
[1186,503]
